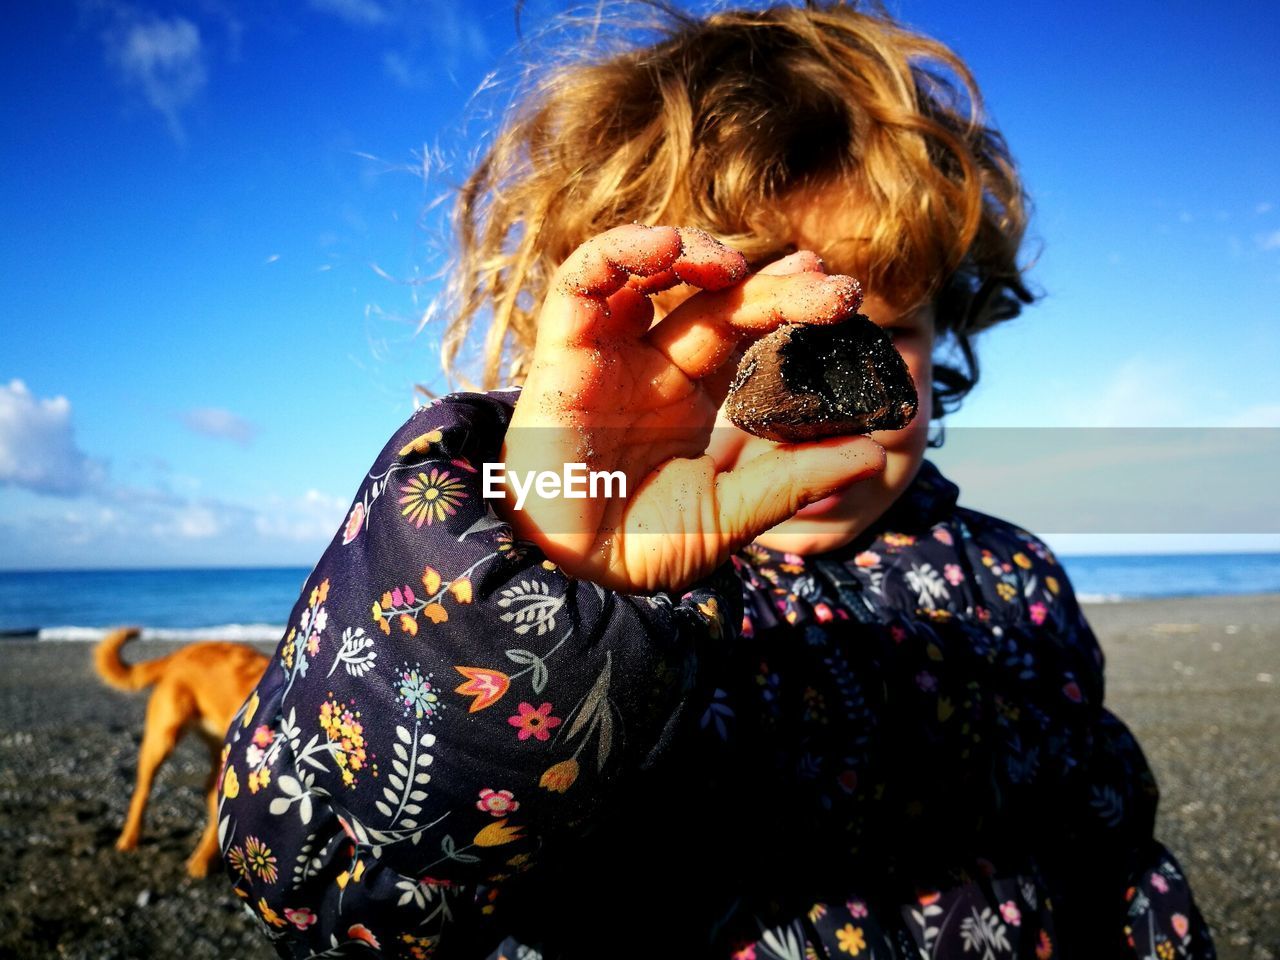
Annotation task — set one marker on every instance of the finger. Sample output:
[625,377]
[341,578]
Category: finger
[700,334]
[802,261]
[770,488]
[647,259]
[704,262]
[576,308]
[726,443]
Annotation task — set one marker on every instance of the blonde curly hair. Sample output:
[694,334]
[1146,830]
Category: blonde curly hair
[712,126]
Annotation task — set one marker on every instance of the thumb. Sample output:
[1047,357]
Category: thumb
[768,489]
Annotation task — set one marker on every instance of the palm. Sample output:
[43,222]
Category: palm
[611,389]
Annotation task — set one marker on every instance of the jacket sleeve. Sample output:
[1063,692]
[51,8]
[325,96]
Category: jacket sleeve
[446,703]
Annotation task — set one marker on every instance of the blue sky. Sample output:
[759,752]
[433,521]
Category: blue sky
[215,246]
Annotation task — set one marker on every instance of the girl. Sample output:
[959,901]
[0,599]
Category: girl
[779,700]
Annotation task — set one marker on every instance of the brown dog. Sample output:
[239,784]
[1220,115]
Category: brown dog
[199,687]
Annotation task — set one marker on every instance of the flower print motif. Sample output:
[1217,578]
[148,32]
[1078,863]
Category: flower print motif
[943,536]
[1022,560]
[1012,915]
[300,918]
[756,554]
[746,953]
[1006,591]
[263,735]
[1052,583]
[953,574]
[867,558]
[429,498]
[857,909]
[1159,883]
[534,723]
[559,777]
[926,681]
[422,443]
[850,939]
[1164,950]
[899,539]
[711,613]
[792,563]
[342,727]
[259,779]
[354,524]
[416,694]
[496,834]
[362,933]
[497,802]
[817,912]
[237,862]
[258,856]
[1038,613]
[1180,925]
[487,686]
[1044,948]
[230,783]
[269,915]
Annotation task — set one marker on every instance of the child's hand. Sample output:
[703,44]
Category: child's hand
[610,389]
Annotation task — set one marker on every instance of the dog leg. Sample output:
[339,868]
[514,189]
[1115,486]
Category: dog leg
[167,712]
[206,851]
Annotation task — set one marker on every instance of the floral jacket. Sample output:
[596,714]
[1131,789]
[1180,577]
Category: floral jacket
[896,749]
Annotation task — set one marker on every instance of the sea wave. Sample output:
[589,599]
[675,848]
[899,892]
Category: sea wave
[1103,597]
[237,632]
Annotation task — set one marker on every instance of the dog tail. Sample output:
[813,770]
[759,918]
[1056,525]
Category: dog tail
[123,676]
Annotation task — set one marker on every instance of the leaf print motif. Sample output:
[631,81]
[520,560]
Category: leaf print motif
[294,791]
[1107,804]
[983,932]
[356,654]
[406,778]
[927,583]
[489,521]
[922,917]
[527,658]
[535,607]
[784,943]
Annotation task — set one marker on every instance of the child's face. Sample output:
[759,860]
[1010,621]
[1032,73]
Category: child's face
[834,521]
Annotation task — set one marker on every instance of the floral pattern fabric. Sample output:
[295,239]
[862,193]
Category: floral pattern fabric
[897,749]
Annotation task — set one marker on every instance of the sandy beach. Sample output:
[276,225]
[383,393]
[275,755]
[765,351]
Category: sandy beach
[1198,680]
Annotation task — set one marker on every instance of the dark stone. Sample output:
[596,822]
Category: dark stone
[810,381]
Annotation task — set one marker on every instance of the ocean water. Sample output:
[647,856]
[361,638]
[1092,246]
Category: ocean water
[230,604]
[253,604]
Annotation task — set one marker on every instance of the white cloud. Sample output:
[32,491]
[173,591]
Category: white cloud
[1141,392]
[221,424]
[37,447]
[314,516]
[162,58]
[398,69]
[1269,241]
[359,12]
